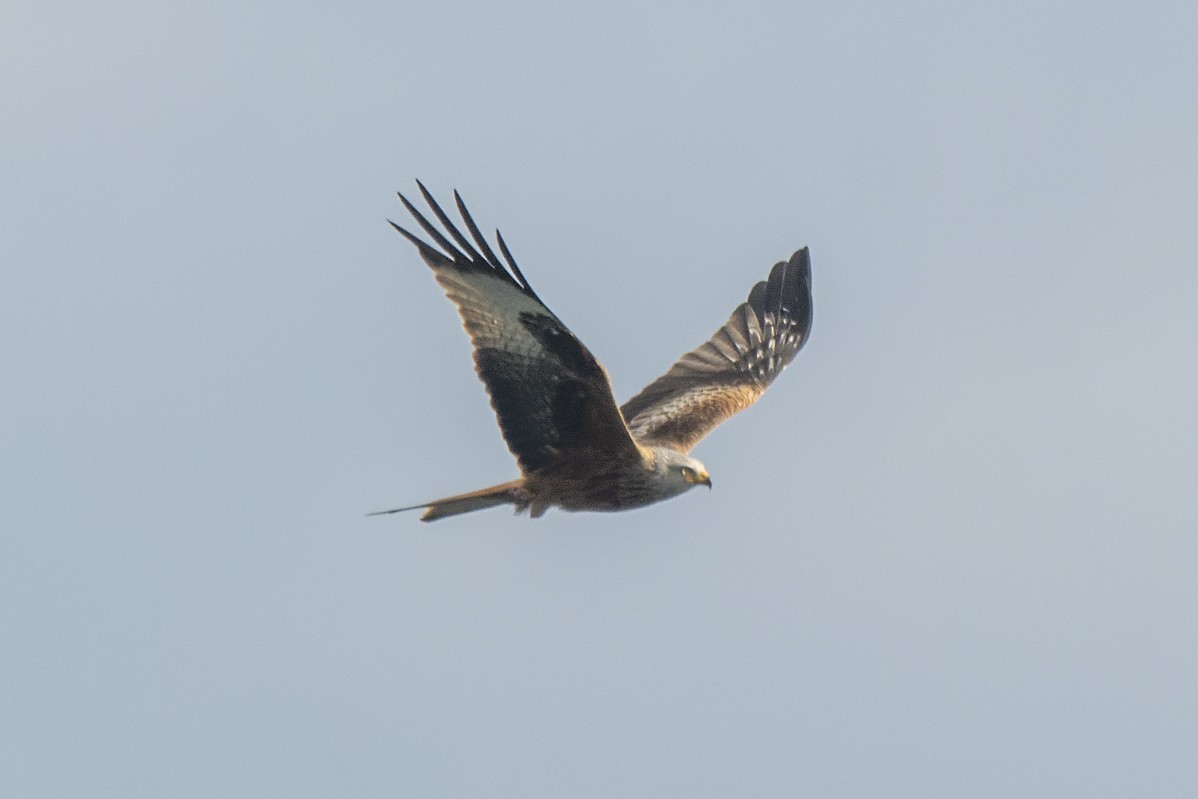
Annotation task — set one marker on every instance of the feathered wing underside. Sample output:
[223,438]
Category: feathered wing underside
[552,398]
[727,373]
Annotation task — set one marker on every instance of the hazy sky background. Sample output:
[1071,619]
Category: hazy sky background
[952,553]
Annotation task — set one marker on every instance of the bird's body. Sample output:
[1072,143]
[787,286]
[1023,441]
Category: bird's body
[576,449]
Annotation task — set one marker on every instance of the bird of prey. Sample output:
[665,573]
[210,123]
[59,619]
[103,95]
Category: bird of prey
[577,450]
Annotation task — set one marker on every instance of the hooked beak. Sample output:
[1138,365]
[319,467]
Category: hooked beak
[701,479]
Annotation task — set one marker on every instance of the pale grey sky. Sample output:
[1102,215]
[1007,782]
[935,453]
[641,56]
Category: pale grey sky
[950,554]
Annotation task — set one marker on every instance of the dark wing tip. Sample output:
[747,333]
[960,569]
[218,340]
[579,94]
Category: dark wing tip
[756,297]
[483,247]
[408,203]
[461,252]
[782,305]
[511,262]
[798,269]
[787,292]
[430,254]
[796,296]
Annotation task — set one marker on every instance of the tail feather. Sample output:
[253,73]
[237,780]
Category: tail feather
[502,494]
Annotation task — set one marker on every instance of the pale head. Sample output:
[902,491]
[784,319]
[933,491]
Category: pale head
[677,472]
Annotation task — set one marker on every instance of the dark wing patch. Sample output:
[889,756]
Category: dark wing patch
[552,398]
[727,373]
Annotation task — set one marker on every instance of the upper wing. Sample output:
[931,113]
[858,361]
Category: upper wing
[551,396]
[731,370]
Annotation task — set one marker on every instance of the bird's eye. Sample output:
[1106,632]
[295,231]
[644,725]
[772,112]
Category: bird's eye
[688,472]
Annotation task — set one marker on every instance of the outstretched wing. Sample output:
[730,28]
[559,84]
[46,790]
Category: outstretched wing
[552,398]
[733,368]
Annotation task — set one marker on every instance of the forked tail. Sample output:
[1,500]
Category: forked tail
[502,494]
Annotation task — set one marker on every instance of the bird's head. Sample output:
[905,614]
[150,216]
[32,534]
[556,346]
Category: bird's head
[680,472]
